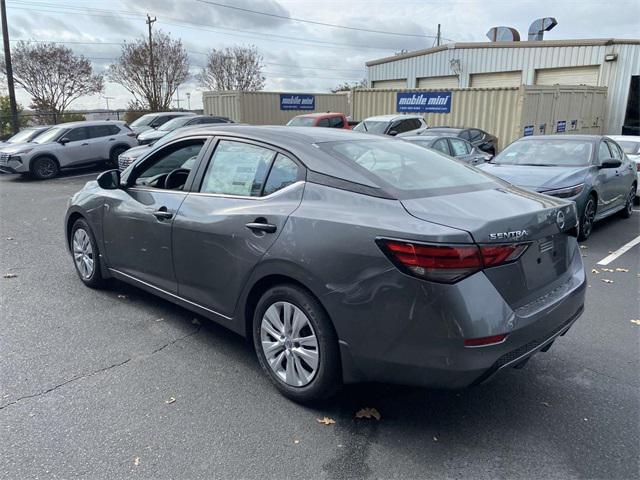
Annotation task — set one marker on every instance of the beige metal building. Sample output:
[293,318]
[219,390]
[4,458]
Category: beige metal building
[271,108]
[610,63]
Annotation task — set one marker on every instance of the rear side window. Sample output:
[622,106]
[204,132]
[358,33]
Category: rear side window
[237,169]
[103,130]
[441,146]
[284,172]
[465,135]
[476,135]
[405,166]
[458,147]
[336,122]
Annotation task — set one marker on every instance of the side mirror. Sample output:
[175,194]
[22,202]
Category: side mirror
[610,163]
[64,140]
[393,133]
[109,180]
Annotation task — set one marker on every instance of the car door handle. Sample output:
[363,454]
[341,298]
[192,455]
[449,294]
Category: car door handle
[261,227]
[84,144]
[163,214]
[111,139]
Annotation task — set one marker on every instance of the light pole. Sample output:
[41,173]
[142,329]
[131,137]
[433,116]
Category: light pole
[188,100]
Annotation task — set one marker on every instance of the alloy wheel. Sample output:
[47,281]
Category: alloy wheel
[289,344]
[589,216]
[83,253]
[45,168]
[632,196]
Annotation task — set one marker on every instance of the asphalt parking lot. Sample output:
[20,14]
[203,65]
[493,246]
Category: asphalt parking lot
[118,383]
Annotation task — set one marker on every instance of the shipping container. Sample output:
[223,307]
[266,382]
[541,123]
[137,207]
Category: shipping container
[272,108]
[508,112]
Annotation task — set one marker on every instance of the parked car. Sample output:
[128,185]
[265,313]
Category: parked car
[392,125]
[478,138]
[346,257]
[150,136]
[452,146]
[68,145]
[591,170]
[25,135]
[328,120]
[154,120]
[631,147]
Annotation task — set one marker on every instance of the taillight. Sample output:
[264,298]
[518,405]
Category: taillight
[448,263]
[484,341]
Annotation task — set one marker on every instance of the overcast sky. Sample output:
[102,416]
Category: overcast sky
[300,56]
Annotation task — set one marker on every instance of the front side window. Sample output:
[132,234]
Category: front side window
[77,134]
[615,151]
[465,135]
[406,166]
[284,172]
[547,152]
[336,122]
[323,122]
[372,126]
[237,169]
[476,135]
[401,126]
[603,152]
[180,155]
[458,147]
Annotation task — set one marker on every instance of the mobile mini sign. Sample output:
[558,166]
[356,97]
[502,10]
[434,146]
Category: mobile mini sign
[297,102]
[433,102]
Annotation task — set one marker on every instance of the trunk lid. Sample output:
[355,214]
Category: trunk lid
[511,215]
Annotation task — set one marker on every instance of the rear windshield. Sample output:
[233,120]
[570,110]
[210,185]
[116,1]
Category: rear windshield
[144,120]
[407,167]
[547,152]
[301,122]
[371,126]
[175,123]
[630,148]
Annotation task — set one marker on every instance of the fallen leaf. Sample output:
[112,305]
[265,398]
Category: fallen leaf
[195,321]
[296,441]
[325,421]
[584,247]
[606,280]
[136,461]
[585,419]
[159,319]
[608,269]
[593,270]
[10,275]
[584,255]
[171,400]
[624,270]
[9,238]
[120,295]
[546,404]
[435,439]
[368,412]
[637,322]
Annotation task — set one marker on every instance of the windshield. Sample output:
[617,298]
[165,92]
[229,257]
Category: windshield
[175,123]
[550,153]
[371,126]
[50,135]
[24,136]
[406,166]
[630,148]
[143,121]
[301,122]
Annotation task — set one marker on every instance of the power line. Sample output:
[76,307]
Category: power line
[313,22]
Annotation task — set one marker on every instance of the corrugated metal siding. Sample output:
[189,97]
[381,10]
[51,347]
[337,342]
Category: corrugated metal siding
[496,110]
[447,81]
[497,79]
[400,83]
[614,75]
[568,75]
[263,108]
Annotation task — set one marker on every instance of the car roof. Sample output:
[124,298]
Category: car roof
[318,114]
[424,137]
[447,129]
[167,113]
[585,137]
[300,142]
[89,123]
[390,118]
[625,138]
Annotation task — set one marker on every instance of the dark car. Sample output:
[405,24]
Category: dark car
[591,170]
[478,138]
[452,146]
[346,257]
[152,135]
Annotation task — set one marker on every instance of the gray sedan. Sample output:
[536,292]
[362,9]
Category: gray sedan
[344,257]
[591,170]
[452,146]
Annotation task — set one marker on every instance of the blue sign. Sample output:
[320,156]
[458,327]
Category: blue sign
[438,102]
[528,130]
[561,126]
[295,101]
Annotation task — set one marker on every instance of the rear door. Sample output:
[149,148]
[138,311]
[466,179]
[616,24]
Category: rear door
[622,176]
[242,199]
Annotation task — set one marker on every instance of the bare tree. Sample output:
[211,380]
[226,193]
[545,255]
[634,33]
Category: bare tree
[152,86]
[347,86]
[53,75]
[236,68]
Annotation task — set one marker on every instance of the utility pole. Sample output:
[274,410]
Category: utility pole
[438,37]
[107,99]
[7,61]
[178,97]
[149,22]
[188,100]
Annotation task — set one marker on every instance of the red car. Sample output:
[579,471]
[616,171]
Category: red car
[327,119]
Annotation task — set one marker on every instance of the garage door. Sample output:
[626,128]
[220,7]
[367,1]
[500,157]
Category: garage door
[568,76]
[449,81]
[497,79]
[402,83]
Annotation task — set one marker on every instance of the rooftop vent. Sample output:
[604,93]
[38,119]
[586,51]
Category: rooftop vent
[539,26]
[503,34]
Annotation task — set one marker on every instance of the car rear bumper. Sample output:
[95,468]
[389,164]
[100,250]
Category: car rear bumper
[429,350]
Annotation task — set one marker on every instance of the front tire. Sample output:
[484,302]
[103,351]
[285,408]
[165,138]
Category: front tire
[86,256]
[44,168]
[587,218]
[296,344]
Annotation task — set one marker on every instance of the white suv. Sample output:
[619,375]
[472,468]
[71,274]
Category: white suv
[68,145]
[400,125]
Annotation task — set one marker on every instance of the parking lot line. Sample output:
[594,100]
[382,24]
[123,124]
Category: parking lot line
[623,249]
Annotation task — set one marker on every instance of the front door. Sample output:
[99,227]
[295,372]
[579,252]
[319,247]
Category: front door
[77,150]
[608,179]
[138,220]
[244,198]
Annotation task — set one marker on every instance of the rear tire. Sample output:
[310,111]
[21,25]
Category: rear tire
[296,344]
[587,218]
[628,207]
[44,168]
[86,256]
